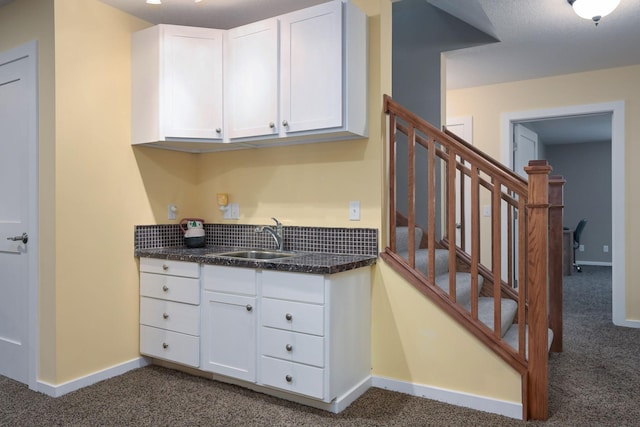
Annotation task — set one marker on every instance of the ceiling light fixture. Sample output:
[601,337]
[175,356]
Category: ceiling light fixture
[593,9]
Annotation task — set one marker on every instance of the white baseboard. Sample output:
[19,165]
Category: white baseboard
[480,403]
[597,263]
[73,385]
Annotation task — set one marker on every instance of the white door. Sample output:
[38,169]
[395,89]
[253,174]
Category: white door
[462,127]
[525,148]
[311,65]
[17,182]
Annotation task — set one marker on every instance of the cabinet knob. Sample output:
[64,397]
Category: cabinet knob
[165,345]
[165,316]
[272,125]
[288,316]
[289,378]
[165,288]
[249,307]
[165,267]
[285,123]
[289,347]
[218,130]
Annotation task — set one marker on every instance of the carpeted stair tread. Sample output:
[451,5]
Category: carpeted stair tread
[463,286]
[422,260]
[511,338]
[509,308]
[402,238]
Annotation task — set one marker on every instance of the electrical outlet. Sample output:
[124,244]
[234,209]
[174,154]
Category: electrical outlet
[581,248]
[354,211]
[605,248]
[171,211]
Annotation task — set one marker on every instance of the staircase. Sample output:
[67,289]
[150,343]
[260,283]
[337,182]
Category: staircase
[506,287]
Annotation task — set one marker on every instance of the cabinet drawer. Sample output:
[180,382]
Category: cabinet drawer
[293,316]
[172,268]
[232,280]
[174,346]
[293,286]
[170,315]
[174,288]
[292,377]
[293,346]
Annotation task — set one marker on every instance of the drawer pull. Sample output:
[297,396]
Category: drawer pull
[165,345]
[289,378]
[165,267]
[165,288]
[289,347]
[288,316]
[165,316]
[249,307]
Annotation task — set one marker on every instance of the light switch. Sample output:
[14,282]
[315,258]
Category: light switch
[354,211]
[232,211]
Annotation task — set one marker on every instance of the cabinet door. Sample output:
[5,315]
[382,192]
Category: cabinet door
[229,335]
[251,60]
[191,82]
[311,63]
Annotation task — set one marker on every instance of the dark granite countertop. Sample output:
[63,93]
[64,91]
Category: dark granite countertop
[305,262]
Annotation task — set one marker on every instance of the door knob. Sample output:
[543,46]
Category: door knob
[24,238]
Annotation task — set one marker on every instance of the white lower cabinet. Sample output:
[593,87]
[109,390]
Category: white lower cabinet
[229,321]
[170,310]
[314,332]
[303,336]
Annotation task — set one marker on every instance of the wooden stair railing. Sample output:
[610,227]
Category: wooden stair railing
[524,228]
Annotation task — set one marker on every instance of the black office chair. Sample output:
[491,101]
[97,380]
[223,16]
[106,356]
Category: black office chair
[576,242]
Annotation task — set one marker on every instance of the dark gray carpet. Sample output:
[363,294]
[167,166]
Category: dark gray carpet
[594,382]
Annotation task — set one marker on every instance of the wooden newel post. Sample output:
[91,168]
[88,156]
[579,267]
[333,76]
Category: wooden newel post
[538,273]
[556,185]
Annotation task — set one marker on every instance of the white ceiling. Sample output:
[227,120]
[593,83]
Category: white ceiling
[538,38]
[222,14]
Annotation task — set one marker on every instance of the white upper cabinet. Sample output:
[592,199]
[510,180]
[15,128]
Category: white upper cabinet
[296,78]
[319,91]
[311,64]
[177,84]
[251,61]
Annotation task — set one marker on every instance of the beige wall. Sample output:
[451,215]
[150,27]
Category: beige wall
[487,103]
[97,187]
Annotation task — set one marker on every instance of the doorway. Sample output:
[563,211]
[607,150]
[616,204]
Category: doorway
[618,238]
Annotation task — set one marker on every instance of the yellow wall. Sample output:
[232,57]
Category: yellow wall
[103,186]
[97,187]
[487,103]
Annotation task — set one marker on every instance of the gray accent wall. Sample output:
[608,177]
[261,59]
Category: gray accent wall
[587,170]
[421,32]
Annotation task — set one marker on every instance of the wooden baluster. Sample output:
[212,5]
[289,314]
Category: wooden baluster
[556,184]
[392,180]
[411,194]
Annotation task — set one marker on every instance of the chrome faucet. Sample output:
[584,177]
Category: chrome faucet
[276,233]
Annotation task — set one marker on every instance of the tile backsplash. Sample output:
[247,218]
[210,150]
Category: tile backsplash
[354,241]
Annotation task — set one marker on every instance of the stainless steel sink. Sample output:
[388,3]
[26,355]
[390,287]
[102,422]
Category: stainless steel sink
[257,254]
